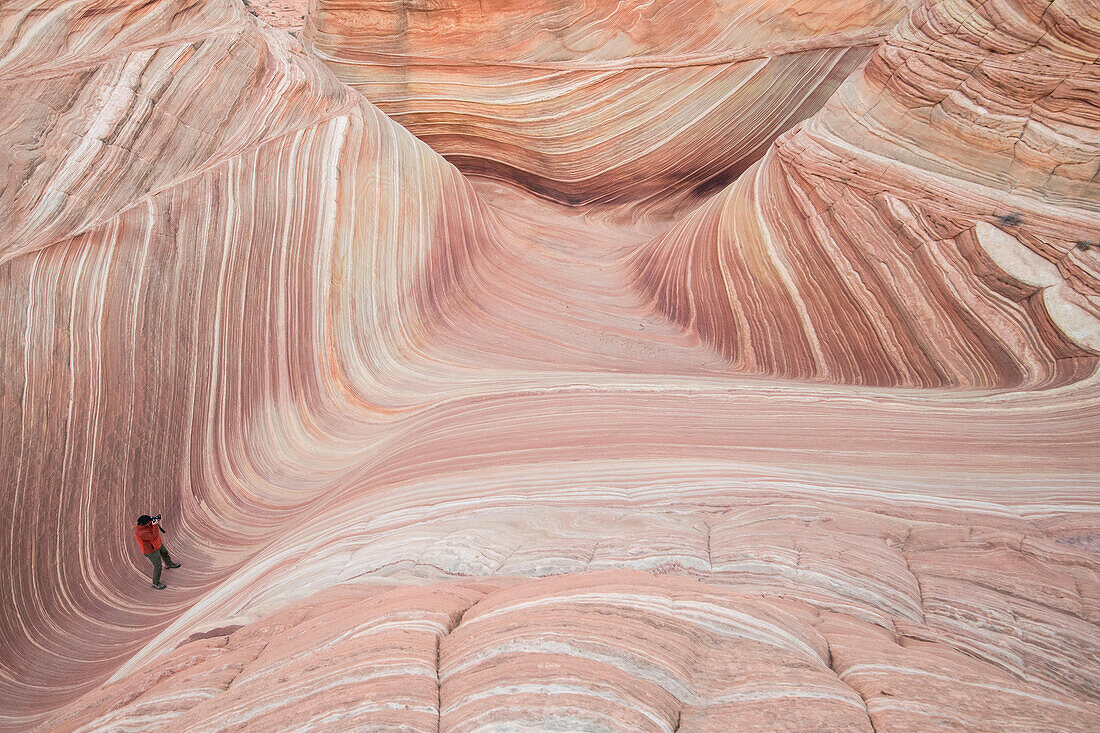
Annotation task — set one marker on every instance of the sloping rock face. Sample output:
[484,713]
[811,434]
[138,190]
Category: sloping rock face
[587,102]
[942,208]
[438,454]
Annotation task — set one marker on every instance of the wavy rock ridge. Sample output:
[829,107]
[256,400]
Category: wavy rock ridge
[895,210]
[590,102]
[817,452]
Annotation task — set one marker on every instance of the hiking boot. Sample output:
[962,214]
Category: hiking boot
[159,586]
[172,565]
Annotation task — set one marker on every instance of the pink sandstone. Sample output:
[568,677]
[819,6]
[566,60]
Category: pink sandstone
[574,436]
[287,15]
[582,101]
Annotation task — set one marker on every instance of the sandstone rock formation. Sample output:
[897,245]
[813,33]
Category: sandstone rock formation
[586,101]
[970,140]
[287,15]
[445,453]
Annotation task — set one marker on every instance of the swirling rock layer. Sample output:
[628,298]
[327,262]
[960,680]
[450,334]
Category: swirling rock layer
[599,102]
[873,243]
[820,453]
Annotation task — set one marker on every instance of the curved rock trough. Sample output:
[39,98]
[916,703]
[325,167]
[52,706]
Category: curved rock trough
[632,366]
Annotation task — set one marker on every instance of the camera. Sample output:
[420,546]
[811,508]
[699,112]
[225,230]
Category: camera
[156,518]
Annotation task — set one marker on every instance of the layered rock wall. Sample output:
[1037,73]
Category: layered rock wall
[871,243]
[179,229]
[447,455]
[587,101]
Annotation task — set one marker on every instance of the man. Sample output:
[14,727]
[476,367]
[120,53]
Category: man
[148,532]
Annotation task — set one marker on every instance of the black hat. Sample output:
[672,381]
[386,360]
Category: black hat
[144,519]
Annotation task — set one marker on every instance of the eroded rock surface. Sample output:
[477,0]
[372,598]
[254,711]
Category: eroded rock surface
[814,450]
[877,242]
[588,101]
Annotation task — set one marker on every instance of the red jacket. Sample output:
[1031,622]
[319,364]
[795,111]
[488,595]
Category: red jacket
[148,535]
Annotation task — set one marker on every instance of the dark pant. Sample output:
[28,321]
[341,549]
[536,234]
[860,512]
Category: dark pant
[155,557]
